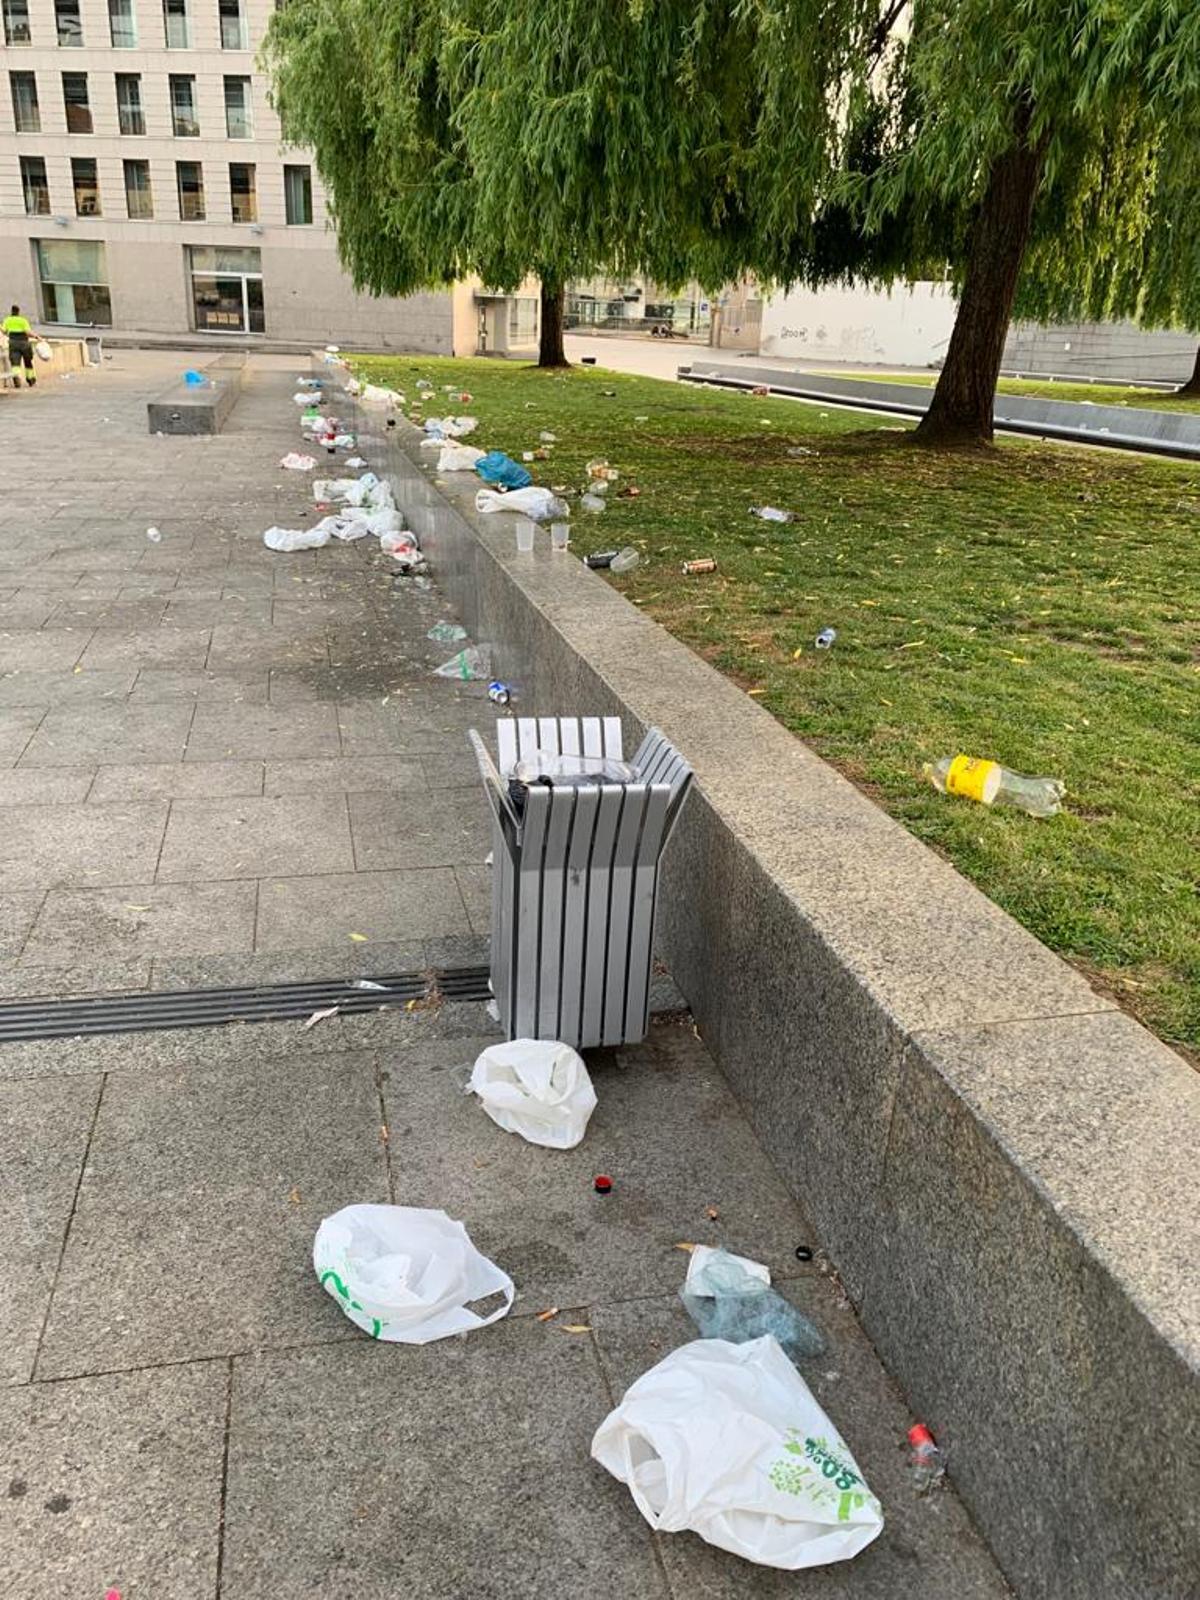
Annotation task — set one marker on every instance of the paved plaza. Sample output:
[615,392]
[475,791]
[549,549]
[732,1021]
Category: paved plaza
[219,766]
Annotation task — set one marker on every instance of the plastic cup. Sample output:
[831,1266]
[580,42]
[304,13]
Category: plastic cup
[560,535]
[525,532]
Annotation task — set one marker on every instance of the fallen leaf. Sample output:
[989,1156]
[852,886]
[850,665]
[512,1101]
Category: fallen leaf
[684,1245]
[544,1316]
[711,1213]
[575,1327]
[137,908]
[294,1197]
[359,938]
[383,1132]
[319,1016]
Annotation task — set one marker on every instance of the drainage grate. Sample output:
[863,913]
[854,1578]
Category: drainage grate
[263,1002]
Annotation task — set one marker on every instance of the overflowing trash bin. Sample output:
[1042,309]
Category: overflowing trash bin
[578,838]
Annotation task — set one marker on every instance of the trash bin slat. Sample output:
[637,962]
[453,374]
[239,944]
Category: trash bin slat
[595,953]
[620,900]
[528,910]
[641,915]
[574,926]
[506,745]
[554,882]
[548,734]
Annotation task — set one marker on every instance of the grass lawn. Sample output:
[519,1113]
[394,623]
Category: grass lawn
[1036,604]
[1099,394]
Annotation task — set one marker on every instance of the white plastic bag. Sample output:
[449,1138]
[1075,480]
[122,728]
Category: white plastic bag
[459,458]
[727,1440]
[536,1088]
[540,505]
[405,1275]
[43,350]
[386,520]
[298,462]
[396,541]
[375,395]
[288,539]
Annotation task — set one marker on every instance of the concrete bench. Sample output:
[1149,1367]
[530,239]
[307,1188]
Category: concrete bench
[200,407]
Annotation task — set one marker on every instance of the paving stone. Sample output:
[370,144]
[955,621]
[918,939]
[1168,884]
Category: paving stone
[141,611]
[372,728]
[220,732]
[56,688]
[208,1182]
[190,611]
[391,906]
[115,1481]
[46,651]
[18,724]
[239,688]
[151,647]
[145,919]
[292,966]
[73,735]
[80,846]
[390,832]
[458,1468]
[26,608]
[168,780]
[22,786]
[475,886]
[241,645]
[345,775]
[63,978]
[654,1100]
[256,838]
[44,1130]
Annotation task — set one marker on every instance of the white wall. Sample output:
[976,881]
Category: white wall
[909,327]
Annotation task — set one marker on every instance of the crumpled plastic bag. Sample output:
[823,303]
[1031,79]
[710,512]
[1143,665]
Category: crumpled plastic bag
[386,520]
[496,467]
[289,539]
[346,529]
[43,351]
[537,1088]
[458,458]
[297,462]
[728,1297]
[539,505]
[472,663]
[450,427]
[394,541]
[728,1441]
[405,1275]
[374,394]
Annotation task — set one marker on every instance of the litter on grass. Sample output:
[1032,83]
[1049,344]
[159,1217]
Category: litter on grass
[498,468]
[772,514]
[991,784]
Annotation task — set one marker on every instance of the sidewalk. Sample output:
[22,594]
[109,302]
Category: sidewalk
[250,746]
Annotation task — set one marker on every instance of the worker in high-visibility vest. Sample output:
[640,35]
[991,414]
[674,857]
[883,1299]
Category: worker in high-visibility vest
[20,346]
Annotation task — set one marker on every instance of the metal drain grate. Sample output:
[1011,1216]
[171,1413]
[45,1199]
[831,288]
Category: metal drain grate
[263,1002]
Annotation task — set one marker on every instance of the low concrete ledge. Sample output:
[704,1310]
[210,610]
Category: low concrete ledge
[1167,433]
[1001,1165]
[187,408]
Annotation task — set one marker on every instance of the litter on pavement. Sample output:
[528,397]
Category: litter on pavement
[446,633]
[297,462]
[496,467]
[536,1088]
[729,1297]
[405,1275]
[469,665]
[539,505]
[289,539]
[727,1440]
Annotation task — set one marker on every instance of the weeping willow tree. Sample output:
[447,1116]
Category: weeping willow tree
[459,137]
[996,133]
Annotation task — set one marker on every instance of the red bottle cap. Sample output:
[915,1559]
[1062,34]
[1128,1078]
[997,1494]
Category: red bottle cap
[602,1183]
[920,1434]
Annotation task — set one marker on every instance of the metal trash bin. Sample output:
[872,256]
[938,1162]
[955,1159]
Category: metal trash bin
[575,882]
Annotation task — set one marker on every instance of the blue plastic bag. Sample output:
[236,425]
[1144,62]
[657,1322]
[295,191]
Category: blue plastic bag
[496,467]
[193,377]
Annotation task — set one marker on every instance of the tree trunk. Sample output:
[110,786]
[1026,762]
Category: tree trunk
[961,409]
[1192,386]
[550,345]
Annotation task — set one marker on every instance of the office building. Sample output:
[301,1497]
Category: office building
[144,189]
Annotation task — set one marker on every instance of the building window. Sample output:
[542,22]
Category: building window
[297,195]
[34,186]
[16,22]
[239,122]
[233,25]
[72,274]
[139,202]
[69,24]
[184,123]
[522,321]
[87,186]
[175,24]
[242,195]
[76,103]
[122,25]
[227,289]
[189,179]
[27,118]
[130,116]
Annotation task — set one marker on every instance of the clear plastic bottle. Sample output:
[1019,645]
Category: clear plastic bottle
[991,784]
[926,1461]
[824,640]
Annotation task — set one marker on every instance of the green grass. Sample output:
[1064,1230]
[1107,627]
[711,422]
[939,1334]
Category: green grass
[1099,394]
[1034,604]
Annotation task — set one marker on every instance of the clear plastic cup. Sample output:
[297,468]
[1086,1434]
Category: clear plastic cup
[560,535]
[525,532]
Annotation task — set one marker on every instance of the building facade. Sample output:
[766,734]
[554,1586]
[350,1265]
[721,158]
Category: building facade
[145,188]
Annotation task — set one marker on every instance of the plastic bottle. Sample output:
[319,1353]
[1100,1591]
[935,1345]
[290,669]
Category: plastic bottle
[991,784]
[824,640]
[772,514]
[926,1461]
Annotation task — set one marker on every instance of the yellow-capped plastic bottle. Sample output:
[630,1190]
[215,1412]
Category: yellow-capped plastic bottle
[975,778]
